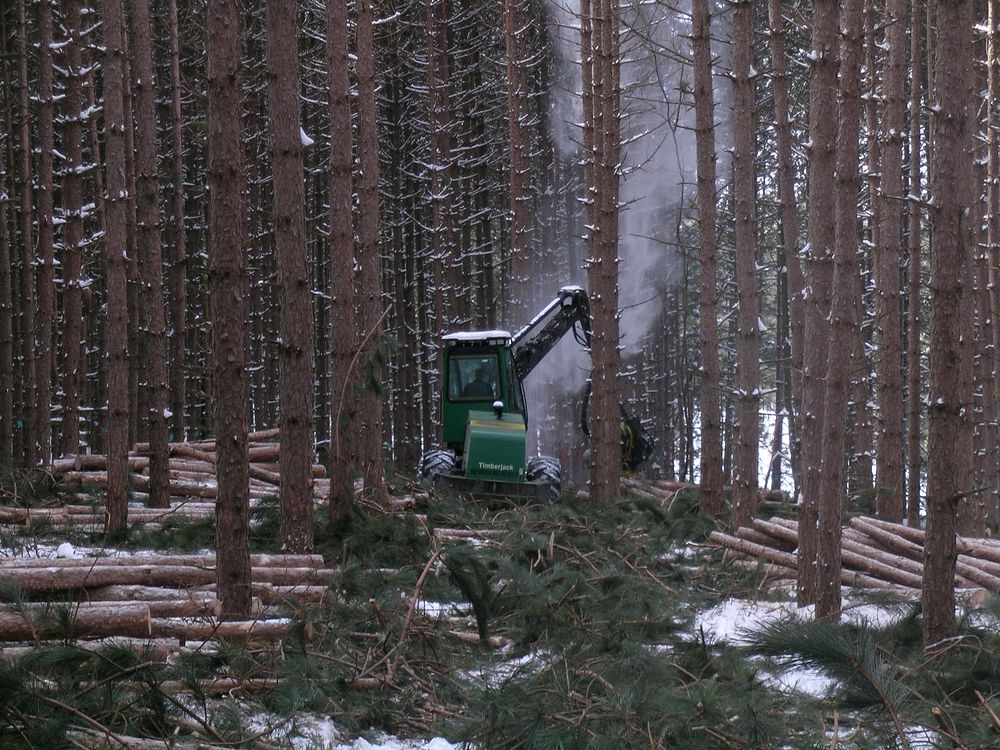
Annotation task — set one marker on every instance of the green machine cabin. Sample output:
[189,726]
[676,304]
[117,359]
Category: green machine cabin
[483,411]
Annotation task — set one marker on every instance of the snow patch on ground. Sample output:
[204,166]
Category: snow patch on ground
[307,731]
[733,619]
[497,675]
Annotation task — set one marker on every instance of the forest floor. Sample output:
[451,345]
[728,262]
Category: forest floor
[498,626]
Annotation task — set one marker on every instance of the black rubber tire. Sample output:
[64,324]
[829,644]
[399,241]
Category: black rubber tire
[544,469]
[436,462]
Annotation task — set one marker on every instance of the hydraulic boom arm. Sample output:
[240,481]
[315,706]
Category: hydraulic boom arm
[571,310]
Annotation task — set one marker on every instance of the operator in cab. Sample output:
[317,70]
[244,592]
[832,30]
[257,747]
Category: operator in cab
[479,387]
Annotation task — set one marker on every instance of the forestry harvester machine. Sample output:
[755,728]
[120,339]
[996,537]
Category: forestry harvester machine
[484,415]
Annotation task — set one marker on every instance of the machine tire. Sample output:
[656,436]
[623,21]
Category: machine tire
[544,469]
[436,462]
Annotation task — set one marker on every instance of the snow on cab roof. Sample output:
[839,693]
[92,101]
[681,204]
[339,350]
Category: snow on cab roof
[476,335]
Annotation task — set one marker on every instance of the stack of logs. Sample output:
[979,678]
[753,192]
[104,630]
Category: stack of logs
[193,488]
[875,554]
[163,600]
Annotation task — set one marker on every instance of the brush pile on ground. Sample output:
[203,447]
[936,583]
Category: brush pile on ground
[875,554]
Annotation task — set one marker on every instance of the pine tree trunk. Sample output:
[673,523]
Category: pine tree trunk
[823,139]
[10,382]
[843,322]
[712,501]
[227,290]
[520,167]
[295,353]
[26,192]
[116,337]
[370,260]
[72,260]
[888,363]
[44,332]
[991,297]
[746,490]
[602,271]
[343,446]
[7,388]
[913,274]
[177,272]
[944,482]
[152,319]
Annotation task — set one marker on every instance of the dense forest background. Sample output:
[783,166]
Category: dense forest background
[446,226]
[483,215]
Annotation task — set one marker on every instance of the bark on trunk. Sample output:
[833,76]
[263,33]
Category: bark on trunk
[945,483]
[177,272]
[227,290]
[712,501]
[370,260]
[116,339]
[295,354]
[889,364]
[822,157]
[833,496]
[152,319]
[344,342]
[791,351]
[26,191]
[746,491]
[602,271]
[520,162]
[913,273]
[72,260]
[44,332]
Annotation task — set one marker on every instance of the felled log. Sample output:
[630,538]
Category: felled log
[648,489]
[758,537]
[266,593]
[777,557]
[231,630]
[61,578]
[97,740]
[847,577]
[91,622]
[197,560]
[784,534]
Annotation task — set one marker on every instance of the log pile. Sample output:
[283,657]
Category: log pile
[155,598]
[193,487]
[875,554]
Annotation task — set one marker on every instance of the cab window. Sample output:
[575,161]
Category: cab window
[473,377]
[515,396]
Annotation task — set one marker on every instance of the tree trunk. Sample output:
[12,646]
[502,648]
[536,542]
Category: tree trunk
[712,501]
[227,290]
[602,271]
[888,363]
[991,308]
[823,139]
[8,387]
[72,256]
[832,496]
[913,274]
[295,353]
[152,320]
[116,337]
[177,271]
[25,189]
[520,163]
[45,253]
[343,339]
[746,490]
[370,260]
[945,483]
